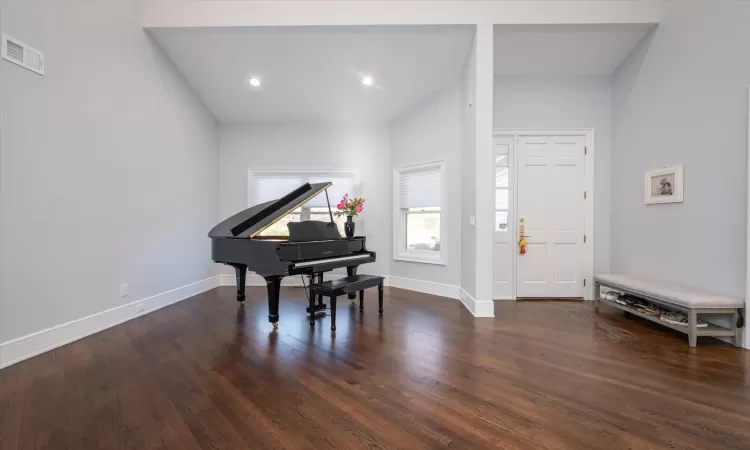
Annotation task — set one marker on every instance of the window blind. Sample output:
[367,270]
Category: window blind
[419,188]
[273,186]
[341,185]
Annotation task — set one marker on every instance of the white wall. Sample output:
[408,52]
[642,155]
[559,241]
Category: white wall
[565,102]
[468,173]
[681,98]
[108,167]
[364,148]
[431,131]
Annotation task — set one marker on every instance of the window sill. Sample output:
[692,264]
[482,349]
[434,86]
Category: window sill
[417,259]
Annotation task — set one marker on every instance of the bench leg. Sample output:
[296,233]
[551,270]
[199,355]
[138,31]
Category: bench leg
[333,313]
[380,298]
[597,293]
[736,339]
[693,328]
[361,300]
[311,310]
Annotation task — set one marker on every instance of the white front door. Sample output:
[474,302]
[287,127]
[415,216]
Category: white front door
[551,202]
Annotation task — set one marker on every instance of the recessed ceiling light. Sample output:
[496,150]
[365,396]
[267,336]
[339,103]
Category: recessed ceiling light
[367,80]
[254,81]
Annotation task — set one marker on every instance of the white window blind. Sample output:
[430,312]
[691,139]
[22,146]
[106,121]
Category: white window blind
[419,188]
[341,185]
[272,186]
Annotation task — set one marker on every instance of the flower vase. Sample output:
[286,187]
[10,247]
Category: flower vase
[349,227]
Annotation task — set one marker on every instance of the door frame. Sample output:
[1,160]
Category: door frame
[747,233]
[587,268]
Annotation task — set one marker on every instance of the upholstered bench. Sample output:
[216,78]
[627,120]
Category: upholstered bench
[348,285]
[690,301]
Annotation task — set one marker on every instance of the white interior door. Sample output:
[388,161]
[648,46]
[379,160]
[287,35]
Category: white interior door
[503,244]
[551,202]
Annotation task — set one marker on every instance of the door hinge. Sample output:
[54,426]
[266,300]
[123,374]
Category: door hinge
[585,195]
[585,150]
[584,282]
[584,238]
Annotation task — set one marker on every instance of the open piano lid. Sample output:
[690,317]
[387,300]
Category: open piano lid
[252,221]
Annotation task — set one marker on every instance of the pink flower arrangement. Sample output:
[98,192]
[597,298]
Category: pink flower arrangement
[350,206]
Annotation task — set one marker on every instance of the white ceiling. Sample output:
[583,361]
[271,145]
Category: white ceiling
[561,50]
[314,73]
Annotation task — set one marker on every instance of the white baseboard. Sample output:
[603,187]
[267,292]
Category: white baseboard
[34,344]
[477,309]
[426,287]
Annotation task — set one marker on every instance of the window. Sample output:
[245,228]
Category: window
[267,185]
[501,192]
[419,226]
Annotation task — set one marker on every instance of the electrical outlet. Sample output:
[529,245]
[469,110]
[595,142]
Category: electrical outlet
[123,290]
[140,308]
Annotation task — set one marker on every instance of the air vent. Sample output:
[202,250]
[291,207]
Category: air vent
[19,53]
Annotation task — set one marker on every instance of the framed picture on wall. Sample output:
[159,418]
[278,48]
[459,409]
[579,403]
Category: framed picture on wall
[664,185]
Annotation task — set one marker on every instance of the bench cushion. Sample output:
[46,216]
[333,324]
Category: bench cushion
[678,295]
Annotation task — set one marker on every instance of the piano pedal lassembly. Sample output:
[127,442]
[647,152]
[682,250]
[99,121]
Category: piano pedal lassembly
[320,308]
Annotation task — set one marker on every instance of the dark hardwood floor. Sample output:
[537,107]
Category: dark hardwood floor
[206,374]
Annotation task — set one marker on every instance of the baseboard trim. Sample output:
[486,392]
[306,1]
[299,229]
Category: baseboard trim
[477,309]
[425,287]
[410,284]
[31,345]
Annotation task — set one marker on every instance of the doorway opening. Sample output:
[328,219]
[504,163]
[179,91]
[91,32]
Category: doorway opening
[544,197]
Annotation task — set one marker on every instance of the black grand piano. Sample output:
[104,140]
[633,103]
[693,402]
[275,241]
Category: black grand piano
[311,248]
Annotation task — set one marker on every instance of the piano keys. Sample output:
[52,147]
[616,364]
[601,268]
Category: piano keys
[311,248]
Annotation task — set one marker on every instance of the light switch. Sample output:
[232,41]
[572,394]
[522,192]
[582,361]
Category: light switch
[472,221]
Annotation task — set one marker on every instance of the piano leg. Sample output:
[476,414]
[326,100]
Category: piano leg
[273,284]
[351,271]
[240,271]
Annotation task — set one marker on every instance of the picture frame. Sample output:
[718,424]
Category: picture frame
[664,186]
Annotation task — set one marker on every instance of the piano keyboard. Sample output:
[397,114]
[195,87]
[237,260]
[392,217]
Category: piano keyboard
[329,260]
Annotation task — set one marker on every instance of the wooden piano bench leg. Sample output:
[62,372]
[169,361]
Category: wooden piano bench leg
[380,298]
[333,313]
[362,300]
[311,310]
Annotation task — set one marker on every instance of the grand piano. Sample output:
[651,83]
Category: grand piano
[310,249]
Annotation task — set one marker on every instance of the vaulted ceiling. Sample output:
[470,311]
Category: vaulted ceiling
[555,50]
[314,73]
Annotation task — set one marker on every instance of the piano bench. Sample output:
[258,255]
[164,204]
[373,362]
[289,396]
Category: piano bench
[343,286]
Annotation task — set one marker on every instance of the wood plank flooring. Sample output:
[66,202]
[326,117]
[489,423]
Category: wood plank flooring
[205,374]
